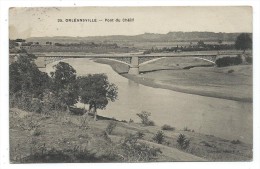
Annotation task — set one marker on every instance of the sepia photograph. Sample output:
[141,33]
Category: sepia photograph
[130,84]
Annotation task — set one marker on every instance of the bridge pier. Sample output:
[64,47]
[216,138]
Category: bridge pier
[134,67]
[133,71]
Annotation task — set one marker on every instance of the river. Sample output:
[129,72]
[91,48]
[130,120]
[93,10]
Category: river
[219,117]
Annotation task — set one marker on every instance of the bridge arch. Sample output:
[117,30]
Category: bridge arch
[151,61]
[117,61]
[211,61]
[156,59]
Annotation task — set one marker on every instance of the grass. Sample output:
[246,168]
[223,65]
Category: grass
[61,139]
[110,127]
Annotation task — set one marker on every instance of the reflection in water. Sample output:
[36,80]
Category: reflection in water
[224,118]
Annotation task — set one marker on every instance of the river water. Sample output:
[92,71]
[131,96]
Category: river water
[219,117]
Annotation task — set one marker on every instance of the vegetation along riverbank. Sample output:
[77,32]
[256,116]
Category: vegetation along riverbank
[46,127]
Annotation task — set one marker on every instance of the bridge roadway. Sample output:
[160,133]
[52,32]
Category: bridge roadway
[133,60]
[126,55]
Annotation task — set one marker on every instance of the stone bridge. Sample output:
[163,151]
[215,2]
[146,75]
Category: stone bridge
[133,60]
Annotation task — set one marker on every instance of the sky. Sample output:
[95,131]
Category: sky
[41,22]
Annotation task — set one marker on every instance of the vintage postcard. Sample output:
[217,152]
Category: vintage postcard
[130,84]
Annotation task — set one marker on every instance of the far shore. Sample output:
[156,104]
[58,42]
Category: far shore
[152,79]
[153,83]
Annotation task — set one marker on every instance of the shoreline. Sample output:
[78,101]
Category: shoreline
[152,83]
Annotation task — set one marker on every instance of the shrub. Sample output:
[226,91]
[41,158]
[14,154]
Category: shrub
[51,103]
[139,134]
[144,116]
[168,127]
[228,61]
[111,126]
[183,142]
[24,102]
[249,59]
[134,151]
[151,123]
[230,71]
[159,137]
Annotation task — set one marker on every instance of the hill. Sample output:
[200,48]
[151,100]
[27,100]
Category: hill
[61,137]
[146,37]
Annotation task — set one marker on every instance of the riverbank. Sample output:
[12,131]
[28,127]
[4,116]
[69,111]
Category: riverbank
[223,118]
[232,83]
[63,137]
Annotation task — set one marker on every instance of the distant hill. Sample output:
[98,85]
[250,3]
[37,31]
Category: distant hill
[146,37]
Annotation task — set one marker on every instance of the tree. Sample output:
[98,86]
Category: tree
[201,43]
[243,42]
[220,41]
[144,116]
[95,90]
[183,142]
[64,83]
[26,77]
[27,83]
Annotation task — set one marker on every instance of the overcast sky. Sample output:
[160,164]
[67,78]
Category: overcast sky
[40,22]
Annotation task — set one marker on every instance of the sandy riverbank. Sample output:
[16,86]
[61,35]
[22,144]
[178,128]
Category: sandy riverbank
[203,81]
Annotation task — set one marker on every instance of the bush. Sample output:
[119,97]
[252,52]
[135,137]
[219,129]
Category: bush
[183,142]
[139,134]
[24,102]
[228,61]
[159,137]
[52,103]
[134,151]
[144,116]
[249,59]
[168,127]
[230,71]
[111,126]
[150,123]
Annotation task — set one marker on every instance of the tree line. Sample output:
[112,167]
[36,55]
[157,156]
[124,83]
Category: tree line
[36,91]
[243,42]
